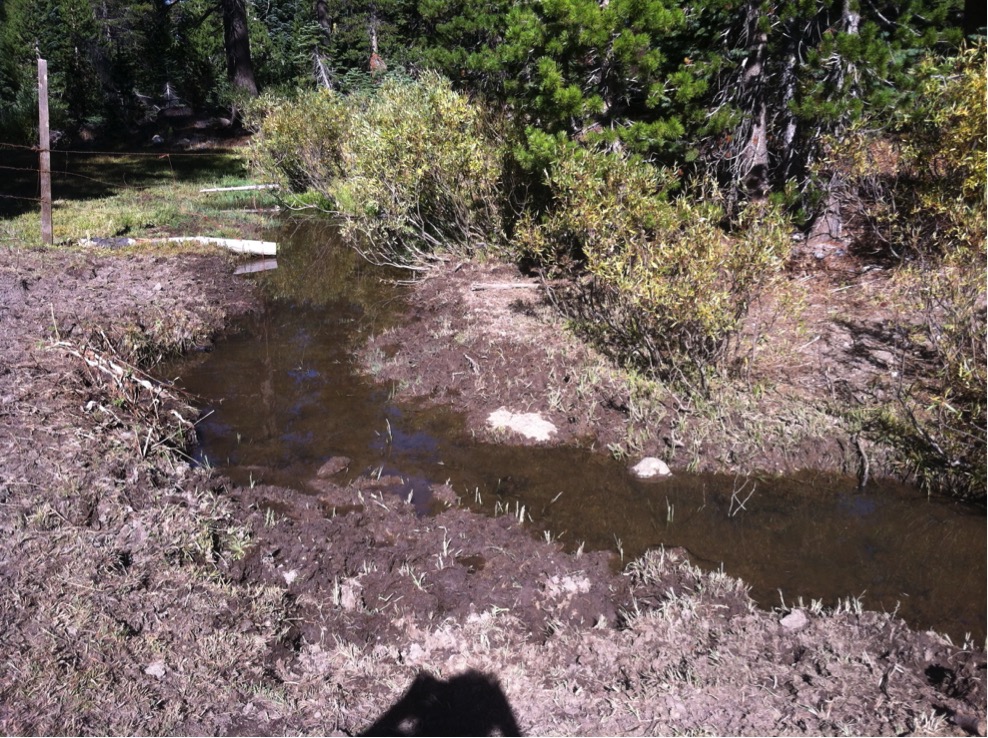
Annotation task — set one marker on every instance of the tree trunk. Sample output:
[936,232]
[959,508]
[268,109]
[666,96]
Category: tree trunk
[325,20]
[754,161]
[974,17]
[236,41]
[827,233]
[320,58]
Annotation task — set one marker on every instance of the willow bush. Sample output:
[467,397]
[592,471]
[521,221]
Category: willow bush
[298,142]
[659,282]
[410,167]
[917,194]
[934,213]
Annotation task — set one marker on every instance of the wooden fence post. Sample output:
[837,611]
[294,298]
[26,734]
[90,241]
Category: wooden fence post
[44,147]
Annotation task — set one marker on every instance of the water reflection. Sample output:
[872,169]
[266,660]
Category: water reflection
[285,399]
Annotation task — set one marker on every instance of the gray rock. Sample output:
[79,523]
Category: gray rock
[334,466]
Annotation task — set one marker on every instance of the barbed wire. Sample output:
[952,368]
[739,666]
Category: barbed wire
[59,173]
[62,174]
[19,169]
[121,154]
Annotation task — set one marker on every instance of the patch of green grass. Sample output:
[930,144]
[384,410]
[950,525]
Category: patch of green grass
[135,197]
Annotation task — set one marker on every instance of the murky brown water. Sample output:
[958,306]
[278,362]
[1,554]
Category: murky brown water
[284,399]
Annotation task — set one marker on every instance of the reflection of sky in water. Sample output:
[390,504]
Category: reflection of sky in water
[300,441]
[417,486]
[303,374]
[417,445]
[304,403]
[858,505]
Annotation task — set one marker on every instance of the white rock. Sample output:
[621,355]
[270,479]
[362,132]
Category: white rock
[350,594]
[651,467]
[155,669]
[530,425]
[795,620]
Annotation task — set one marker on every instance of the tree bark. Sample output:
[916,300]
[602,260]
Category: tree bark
[974,17]
[325,20]
[754,159]
[320,60]
[236,41]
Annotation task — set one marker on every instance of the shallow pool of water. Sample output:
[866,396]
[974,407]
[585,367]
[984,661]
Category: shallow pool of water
[283,397]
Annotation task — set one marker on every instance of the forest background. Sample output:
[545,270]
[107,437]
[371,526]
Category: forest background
[667,161]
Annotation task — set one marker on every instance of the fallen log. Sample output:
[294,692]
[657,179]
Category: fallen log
[242,188]
[477,286]
[238,245]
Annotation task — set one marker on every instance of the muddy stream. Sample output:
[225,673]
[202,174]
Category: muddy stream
[282,397]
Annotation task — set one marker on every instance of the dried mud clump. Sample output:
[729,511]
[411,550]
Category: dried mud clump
[139,595]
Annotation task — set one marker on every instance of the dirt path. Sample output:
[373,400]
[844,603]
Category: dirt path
[139,595]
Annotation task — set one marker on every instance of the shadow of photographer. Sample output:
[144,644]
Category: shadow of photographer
[471,704]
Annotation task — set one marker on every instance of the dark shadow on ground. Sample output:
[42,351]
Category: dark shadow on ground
[82,175]
[467,705]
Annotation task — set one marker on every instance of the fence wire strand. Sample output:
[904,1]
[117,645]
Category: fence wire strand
[165,156]
[121,154]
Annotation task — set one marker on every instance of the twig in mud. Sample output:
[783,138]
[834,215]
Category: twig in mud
[473,364]
[865,463]
[477,286]
[136,391]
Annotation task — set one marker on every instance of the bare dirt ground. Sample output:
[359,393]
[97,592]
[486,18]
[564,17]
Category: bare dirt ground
[141,595]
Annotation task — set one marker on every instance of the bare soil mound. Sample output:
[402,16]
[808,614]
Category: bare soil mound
[141,595]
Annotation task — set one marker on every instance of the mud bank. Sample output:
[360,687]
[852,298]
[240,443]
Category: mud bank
[140,595]
[481,339]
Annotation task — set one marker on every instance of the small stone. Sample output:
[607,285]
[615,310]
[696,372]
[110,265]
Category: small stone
[885,358]
[350,595]
[334,466]
[155,669]
[650,467]
[414,653]
[795,620]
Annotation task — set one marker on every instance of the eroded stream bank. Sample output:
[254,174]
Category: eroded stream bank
[285,397]
[129,580]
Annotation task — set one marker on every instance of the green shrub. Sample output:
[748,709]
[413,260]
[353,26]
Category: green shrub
[918,189]
[659,282]
[410,167]
[938,417]
[944,215]
[299,141]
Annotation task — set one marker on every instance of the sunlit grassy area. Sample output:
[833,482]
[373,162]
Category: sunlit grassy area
[135,196]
